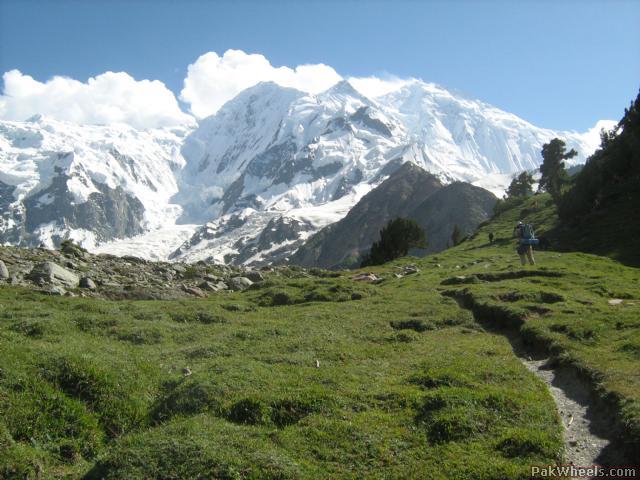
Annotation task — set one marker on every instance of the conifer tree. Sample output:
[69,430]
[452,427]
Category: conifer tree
[396,239]
[554,174]
[521,186]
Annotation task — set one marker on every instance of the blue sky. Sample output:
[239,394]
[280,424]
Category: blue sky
[558,64]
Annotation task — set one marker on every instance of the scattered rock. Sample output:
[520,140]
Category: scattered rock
[49,272]
[56,290]
[410,270]
[195,291]
[186,371]
[133,259]
[86,282]
[615,301]
[4,271]
[239,283]
[365,277]
[213,287]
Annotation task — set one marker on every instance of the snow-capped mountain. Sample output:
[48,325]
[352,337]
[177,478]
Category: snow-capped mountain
[92,183]
[249,184]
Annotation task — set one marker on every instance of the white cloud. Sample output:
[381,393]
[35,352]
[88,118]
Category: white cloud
[107,98]
[374,86]
[213,80]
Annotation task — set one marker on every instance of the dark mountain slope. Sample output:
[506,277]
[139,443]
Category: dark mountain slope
[460,204]
[409,192]
[342,243]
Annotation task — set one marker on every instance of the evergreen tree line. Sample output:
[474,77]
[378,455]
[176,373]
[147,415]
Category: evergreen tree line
[613,170]
[611,173]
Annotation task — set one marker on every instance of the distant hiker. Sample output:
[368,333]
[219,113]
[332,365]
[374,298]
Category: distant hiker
[490,237]
[526,239]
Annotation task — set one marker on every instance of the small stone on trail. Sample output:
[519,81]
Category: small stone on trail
[186,371]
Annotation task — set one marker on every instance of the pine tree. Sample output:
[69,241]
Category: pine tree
[396,239]
[521,186]
[554,174]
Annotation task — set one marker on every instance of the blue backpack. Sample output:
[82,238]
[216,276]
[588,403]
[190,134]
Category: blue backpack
[527,235]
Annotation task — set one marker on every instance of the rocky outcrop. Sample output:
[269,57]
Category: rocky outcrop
[72,271]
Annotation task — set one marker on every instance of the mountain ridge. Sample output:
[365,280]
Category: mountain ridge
[270,156]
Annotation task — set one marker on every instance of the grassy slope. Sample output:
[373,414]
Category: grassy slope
[407,382]
[570,315]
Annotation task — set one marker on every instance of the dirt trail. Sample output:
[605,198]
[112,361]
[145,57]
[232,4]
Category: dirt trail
[582,446]
[588,434]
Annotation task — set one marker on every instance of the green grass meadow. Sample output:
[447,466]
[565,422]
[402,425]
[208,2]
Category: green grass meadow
[317,376]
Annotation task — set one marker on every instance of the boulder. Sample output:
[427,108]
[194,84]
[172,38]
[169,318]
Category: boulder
[254,276]
[365,277]
[239,283]
[213,287]
[4,271]
[49,272]
[86,282]
[195,291]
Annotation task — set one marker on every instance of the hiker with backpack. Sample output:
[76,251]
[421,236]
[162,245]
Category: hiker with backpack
[526,240]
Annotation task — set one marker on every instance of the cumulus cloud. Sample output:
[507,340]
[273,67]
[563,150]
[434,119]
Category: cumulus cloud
[374,86]
[212,80]
[104,99]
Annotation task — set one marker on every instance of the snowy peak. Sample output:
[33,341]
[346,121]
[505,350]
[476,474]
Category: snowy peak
[343,96]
